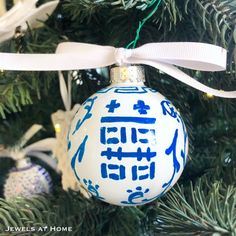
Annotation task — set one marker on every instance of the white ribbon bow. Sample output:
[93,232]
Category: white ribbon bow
[163,56]
[36,149]
[24,13]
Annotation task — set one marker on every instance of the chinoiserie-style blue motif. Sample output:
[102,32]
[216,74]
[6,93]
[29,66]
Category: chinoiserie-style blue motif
[93,189]
[128,119]
[69,145]
[168,109]
[136,196]
[141,107]
[112,137]
[128,90]
[176,166]
[119,154]
[112,106]
[78,156]
[88,115]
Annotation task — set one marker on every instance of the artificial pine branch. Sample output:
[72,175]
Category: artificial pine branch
[198,209]
[201,210]
[218,21]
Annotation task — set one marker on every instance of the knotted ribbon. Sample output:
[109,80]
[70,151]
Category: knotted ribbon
[163,56]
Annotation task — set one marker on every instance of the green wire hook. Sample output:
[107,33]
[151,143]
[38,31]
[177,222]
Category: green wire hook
[141,24]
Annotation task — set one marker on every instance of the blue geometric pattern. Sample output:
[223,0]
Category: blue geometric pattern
[141,107]
[128,90]
[112,106]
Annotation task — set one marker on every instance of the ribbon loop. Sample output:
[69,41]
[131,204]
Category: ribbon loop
[163,56]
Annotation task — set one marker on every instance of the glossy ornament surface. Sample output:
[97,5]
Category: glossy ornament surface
[127,143]
[27,180]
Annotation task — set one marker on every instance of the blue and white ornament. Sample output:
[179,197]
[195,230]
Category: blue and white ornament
[27,180]
[127,143]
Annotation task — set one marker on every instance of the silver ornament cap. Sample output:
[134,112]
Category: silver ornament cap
[127,74]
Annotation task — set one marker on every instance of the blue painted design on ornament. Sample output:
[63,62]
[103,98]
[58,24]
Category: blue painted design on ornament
[139,120]
[88,115]
[146,131]
[118,171]
[141,107]
[136,196]
[114,135]
[78,155]
[167,108]
[93,189]
[112,106]
[139,194]
[134,135]
[123,137]
[136,170]
[103,135]
[112,140]
[128,90]
[69,145]
[119,154]
[176,165]
[143,131]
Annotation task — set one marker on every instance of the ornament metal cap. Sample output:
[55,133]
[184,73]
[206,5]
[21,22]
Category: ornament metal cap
[127,74]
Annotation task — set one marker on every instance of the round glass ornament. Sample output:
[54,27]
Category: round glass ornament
[27,180]
[127,143]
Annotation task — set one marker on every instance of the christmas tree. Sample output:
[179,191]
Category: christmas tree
[204,200]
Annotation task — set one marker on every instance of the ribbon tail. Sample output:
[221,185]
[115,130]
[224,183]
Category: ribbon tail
[43,145]
[30,133]
[46,159]
[184,78]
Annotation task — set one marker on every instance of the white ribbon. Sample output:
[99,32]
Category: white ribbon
[36,149]
[24,13]
[163,56]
